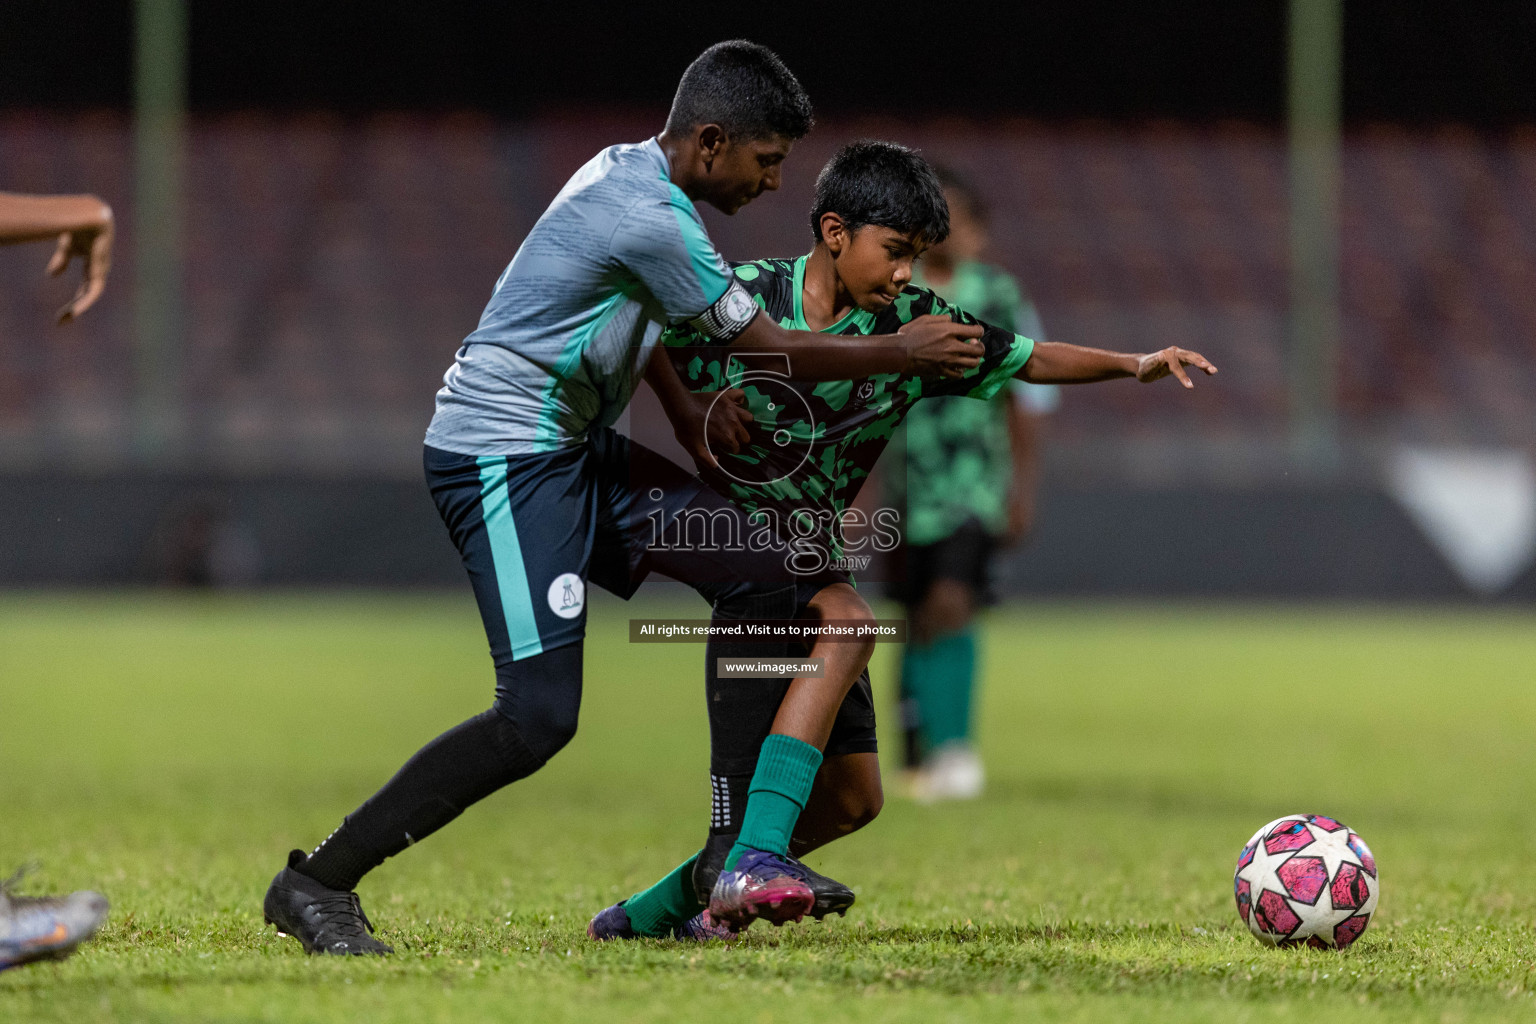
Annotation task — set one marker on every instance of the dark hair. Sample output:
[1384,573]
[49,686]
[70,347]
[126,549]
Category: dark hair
[745,89]
[960,187]
[883,184]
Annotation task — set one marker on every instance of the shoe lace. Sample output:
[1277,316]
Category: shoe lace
[797,868]
[343,912]
[782,864]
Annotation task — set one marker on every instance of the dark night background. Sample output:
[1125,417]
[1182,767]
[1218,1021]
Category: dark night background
[1137,160]
[1407,62]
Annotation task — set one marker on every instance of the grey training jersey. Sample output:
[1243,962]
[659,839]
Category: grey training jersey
[564,340]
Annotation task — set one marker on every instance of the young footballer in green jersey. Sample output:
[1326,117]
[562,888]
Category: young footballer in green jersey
[810,446]
[967,485]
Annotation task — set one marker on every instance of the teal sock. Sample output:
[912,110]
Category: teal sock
[915,661]
[915,667]
[944,680]
[786,771]
[907,705]
[671,901]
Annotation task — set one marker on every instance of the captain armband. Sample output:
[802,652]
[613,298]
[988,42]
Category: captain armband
[728,317]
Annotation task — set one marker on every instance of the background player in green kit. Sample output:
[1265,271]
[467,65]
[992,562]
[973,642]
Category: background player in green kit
[967,488]
[811,446]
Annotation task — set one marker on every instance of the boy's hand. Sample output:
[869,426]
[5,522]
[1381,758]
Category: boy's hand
[712,421]
[936,346]
[93,244]
[1172,360]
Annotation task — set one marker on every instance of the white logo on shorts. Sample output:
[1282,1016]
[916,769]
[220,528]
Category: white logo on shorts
[567,595]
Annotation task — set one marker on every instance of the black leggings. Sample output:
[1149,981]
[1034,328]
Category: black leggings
[535,713]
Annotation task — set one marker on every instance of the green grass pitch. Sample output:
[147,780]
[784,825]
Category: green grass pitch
[170,750]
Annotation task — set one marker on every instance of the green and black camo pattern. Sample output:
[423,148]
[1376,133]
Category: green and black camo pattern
[814,444]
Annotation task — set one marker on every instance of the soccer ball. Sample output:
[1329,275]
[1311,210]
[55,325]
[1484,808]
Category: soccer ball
[1307,879]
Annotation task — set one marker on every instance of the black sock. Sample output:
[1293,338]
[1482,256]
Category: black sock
[728,807]
[467,763]
[728,804]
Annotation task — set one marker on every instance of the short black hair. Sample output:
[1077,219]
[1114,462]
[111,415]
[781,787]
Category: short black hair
[746,90]
[958,186]
[884,184]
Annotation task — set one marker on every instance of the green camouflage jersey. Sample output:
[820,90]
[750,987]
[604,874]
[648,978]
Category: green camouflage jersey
[958,457]
[813,445]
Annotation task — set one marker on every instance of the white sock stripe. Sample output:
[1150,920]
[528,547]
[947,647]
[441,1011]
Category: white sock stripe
[720,811]
[325,840]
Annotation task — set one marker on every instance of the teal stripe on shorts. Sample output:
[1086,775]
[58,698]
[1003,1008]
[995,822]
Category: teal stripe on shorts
[507,555]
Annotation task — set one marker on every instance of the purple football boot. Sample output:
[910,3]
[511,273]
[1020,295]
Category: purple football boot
[763,885]
[613,923]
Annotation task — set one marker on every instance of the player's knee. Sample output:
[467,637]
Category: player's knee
[840,601]
[841,604]
[548,729]
[864,810]
[858,806]
[542,731]
[541,697]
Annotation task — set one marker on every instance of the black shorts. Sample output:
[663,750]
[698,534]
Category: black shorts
[533,530]
[965,556]
[741,711]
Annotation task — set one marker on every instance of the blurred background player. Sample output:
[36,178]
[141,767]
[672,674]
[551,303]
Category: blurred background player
[50,927]
[967,492]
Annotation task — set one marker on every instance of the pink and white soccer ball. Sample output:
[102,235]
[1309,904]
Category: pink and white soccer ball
[1307,879]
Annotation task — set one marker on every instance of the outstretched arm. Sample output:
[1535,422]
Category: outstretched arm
[1053,362]
[83,226]
[927,346]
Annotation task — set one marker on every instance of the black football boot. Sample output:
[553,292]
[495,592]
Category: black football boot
[323,920]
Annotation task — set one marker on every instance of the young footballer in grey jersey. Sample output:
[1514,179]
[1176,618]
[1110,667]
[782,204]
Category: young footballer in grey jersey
[540,495]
